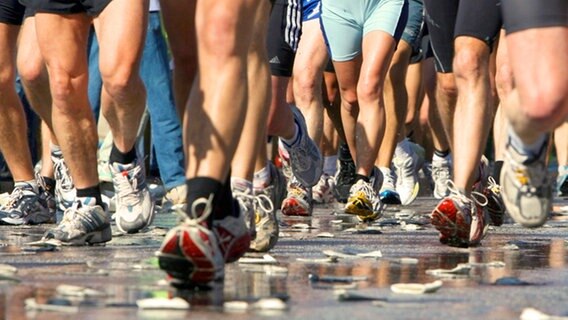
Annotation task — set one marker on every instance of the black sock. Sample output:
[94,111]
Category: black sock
[361,177]
[343,152]
[120,157]
[91,192]
[497,171]
[49,185]
[442,154]
[201,187]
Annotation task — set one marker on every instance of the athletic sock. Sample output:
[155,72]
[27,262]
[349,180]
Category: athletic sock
[203,188]
[330,165]
[361,177]
[90,196]
[117,156]
[442,154]
[262,178]
[530,150]
[30,185]
[55,151]
[343,152]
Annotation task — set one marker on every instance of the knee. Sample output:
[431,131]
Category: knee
[469,64]
[546,104]
[446,85]
[504,80]
[32,74]
[7,76]
[306,87]
[349,101]
[217,34]
[118,81]
[369,90]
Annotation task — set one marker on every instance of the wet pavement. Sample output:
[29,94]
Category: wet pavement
[515,268]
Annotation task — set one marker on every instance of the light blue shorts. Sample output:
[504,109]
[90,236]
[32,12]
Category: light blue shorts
[346,22]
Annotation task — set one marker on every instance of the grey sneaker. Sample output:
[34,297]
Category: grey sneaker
[526,187]
[266,223]
[304,157]
[276,190]
[25,206]
[246,204]
[82,224]
[134,206]
[441,174]
[65,192]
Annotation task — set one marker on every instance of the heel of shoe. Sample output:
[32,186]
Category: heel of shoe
[102,236]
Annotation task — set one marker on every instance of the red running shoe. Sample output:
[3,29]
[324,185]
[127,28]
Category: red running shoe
[298,201]
[190,253]
[462,221]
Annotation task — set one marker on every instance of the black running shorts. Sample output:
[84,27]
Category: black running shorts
[11,12]
[284,30]
[448,19]
[529,14]
[90,7]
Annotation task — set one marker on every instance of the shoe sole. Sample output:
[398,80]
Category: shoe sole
[95,237]
[363,214]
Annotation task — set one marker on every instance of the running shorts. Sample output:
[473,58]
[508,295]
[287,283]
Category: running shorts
[11,12]
[529,14]
[91,7]
[284,30]
[311,9]
[345,23]
[449,19]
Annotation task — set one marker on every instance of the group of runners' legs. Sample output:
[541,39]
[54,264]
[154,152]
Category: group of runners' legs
[346,91]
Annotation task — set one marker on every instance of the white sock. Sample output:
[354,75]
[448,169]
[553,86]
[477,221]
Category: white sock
[241,184]
[330,165]
[530,150]
[437,158]
[55,150]
[262,178]
[29,184]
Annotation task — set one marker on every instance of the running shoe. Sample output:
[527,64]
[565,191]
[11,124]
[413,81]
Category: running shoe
[64,189]
[304,156]
[407,167]
[299,200]
[364,201]
[134,205]
[245,199]
[562,181]
[175,199]
[190,253]
[276,190]
[233,235]
[323,191]
[441,174]
[495,205]
[344,178]
[83,223]
[526,187]
[25,206]
[388,194]
[266,223]
[461,220]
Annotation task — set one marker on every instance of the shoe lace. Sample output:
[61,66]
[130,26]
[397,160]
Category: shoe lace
[194,218]
[477,197]
[365,187]
[244,197]
[440,172]
[70,213]
[388,179]
[125,187]
[264,203]
[493,186]
[15,198]
[62,174]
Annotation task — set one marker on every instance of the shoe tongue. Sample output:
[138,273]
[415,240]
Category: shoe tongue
[122,167]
